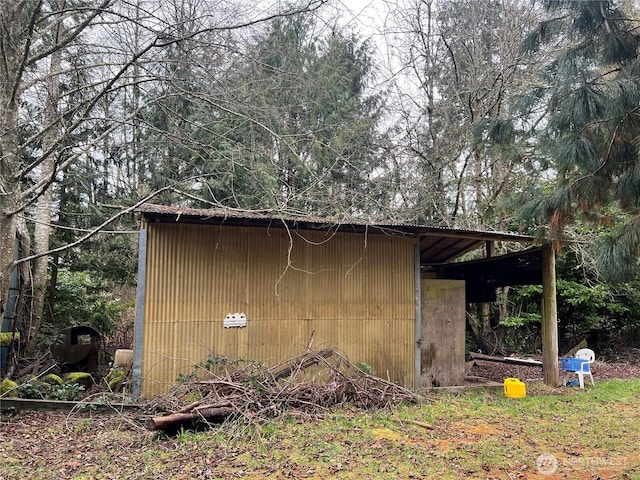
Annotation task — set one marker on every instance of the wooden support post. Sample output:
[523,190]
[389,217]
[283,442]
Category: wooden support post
[549,318]
[490,249]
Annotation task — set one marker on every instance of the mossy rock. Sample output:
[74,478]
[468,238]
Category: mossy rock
[8,387]
[52,379]
[114,379]
[82,378]
[6,338]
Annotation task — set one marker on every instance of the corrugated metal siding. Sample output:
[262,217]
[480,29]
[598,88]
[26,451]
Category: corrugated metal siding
[354,291]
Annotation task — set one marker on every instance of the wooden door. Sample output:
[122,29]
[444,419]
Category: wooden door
[442,339]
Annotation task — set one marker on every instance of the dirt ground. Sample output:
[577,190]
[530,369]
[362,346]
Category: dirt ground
[45,437]
[600,370]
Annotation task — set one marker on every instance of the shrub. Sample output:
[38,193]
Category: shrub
[8,386]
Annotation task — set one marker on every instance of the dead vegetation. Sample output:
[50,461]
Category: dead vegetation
[221,390]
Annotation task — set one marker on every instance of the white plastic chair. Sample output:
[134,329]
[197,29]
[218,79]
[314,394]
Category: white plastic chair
[585,367]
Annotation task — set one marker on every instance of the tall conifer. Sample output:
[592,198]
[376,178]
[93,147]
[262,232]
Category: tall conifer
[591,91]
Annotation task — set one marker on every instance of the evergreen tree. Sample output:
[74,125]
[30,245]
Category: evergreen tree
[591,93]
[283,122]
[300,125]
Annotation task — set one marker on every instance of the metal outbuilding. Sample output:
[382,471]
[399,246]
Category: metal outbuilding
[258,285]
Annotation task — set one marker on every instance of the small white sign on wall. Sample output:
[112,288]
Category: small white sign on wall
[233,320]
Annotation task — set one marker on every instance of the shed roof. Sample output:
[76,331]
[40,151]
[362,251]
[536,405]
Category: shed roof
[438,245]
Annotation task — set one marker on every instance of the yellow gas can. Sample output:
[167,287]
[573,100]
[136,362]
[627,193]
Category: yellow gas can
[514,388]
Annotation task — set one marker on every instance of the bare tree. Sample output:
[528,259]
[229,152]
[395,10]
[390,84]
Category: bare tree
[60,67]
[462,150]
[461,68]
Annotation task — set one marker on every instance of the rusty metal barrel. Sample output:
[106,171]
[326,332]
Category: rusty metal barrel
[78,347]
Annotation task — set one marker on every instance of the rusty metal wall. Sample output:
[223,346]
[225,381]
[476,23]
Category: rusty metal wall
[354,292]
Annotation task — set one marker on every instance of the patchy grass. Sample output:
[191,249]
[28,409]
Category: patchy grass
[566,433]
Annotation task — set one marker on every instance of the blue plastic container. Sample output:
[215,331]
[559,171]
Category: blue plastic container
[574,364]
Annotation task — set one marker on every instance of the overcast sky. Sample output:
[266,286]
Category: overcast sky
[367,13]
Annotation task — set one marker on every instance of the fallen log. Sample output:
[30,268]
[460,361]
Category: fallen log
[303,363]
[511,360]
[174,421]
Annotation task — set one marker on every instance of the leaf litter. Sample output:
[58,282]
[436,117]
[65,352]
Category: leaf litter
[251,444]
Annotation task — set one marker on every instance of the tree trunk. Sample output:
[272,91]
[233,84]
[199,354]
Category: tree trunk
[9,162]
[477,321]
[42,234]
[51,295]
[174,421]
[7,241]
[42,230]
[502,303]
[484,311]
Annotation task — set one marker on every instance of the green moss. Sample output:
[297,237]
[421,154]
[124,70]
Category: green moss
[7,337]
[114,379]
[8,386]
[83,378]
[52,379]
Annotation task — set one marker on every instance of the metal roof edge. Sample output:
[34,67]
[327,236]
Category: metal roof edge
[270,218]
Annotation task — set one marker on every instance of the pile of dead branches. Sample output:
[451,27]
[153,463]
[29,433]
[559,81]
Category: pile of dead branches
[313,382]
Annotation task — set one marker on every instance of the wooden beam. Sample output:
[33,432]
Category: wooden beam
[549,319]
[510,360]
[21,404]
